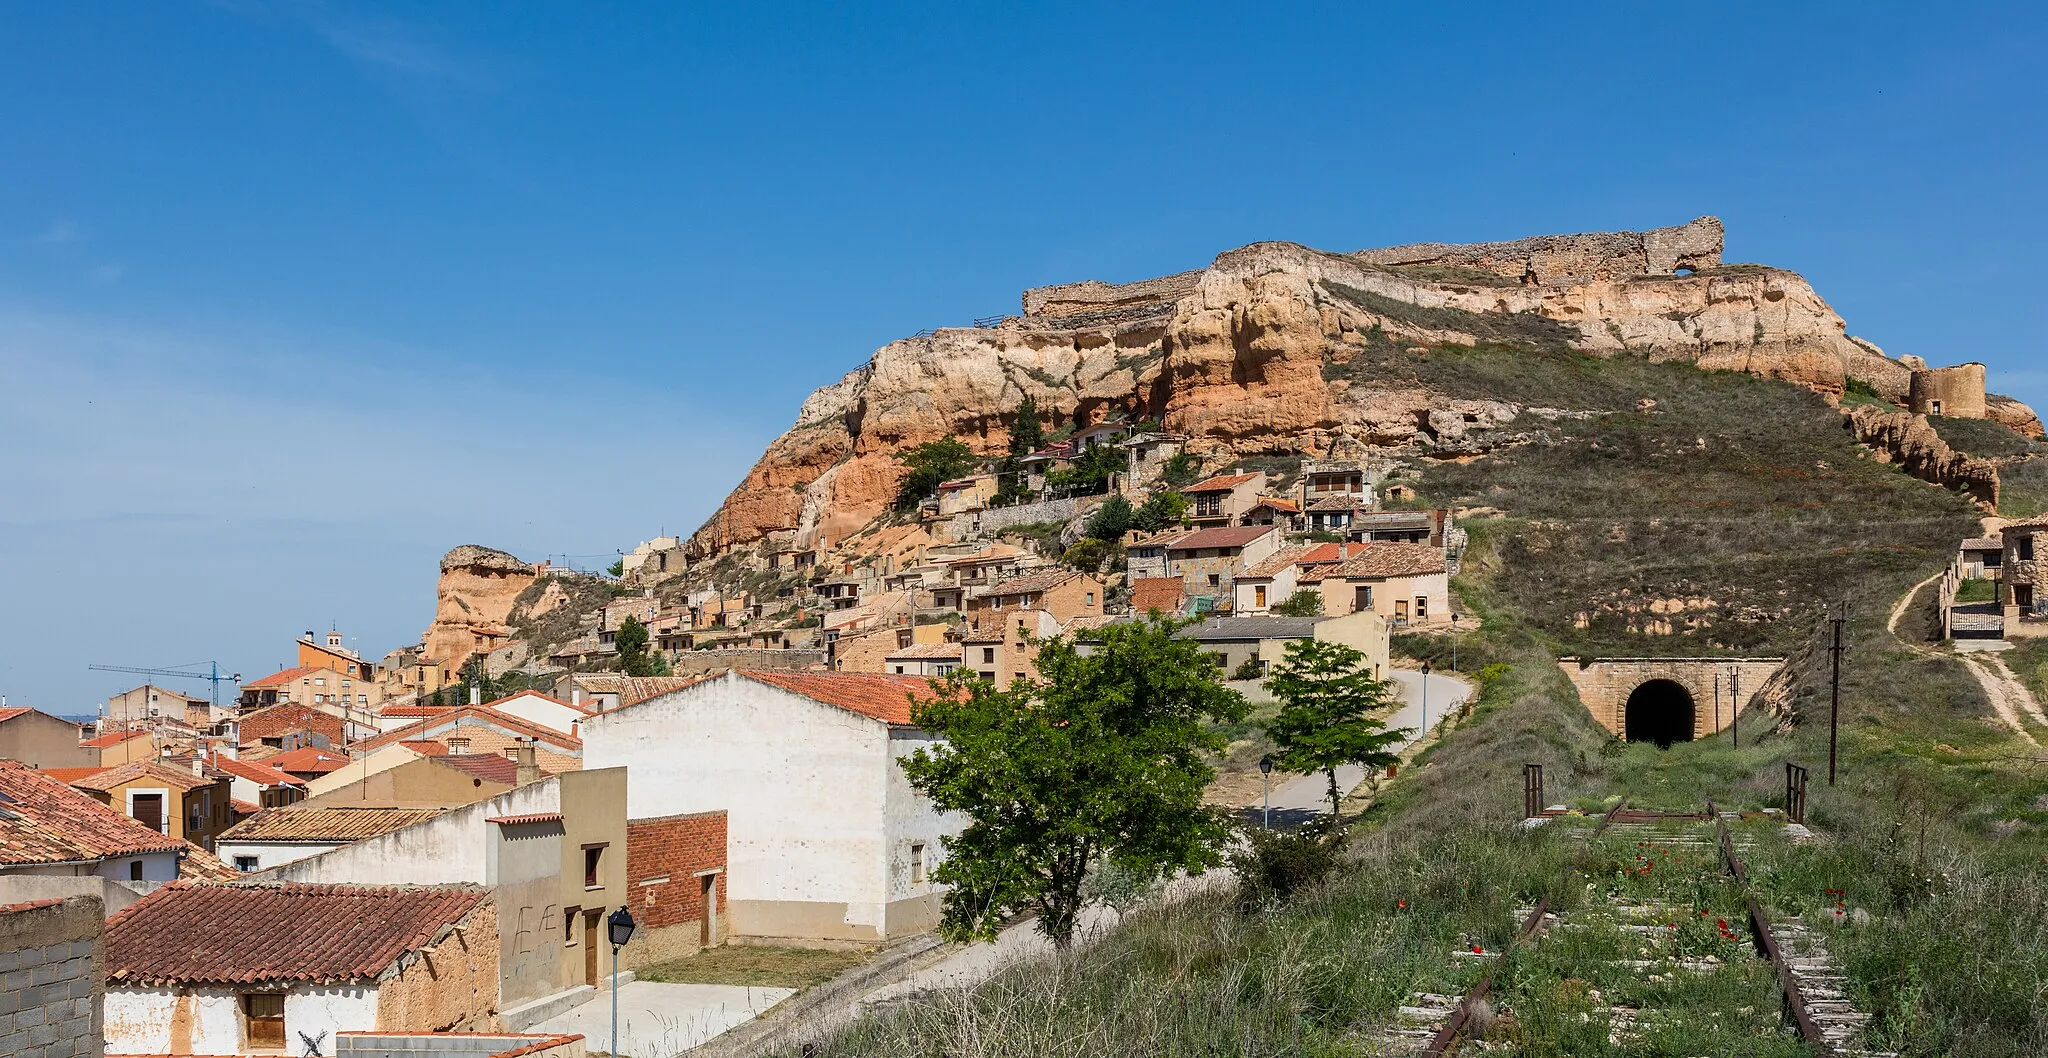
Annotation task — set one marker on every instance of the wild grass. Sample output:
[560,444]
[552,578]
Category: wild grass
[2023,487]
[760,967]
[1983,438]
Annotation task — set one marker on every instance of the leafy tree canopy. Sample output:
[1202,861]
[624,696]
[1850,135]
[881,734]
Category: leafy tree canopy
[1111,520]
[929,464]
[1161,509]
[1182,469]
[1326,694]
[634,657]
[1102,760]
[1306,602]
[1089,472]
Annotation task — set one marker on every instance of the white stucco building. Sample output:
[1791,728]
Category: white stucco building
[826,841]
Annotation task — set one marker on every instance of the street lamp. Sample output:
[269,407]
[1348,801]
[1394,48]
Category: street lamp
[1266,769]
[1425,700]
[621,926]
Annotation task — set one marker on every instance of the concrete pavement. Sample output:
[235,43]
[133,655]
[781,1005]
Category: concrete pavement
[1299,798]
[663,1020]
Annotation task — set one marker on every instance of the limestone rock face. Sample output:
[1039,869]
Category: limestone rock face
[1907,439]
[2014,416]
[473,598]
[1235,356]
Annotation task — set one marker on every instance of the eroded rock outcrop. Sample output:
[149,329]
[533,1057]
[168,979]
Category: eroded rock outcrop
[1238,356]
[1906,439]
[473,599]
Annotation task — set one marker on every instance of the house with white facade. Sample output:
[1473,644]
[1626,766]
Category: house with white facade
[826,841]
[197,968]
[48,828]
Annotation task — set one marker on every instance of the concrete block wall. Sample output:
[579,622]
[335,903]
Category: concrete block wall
[53,978]
[456,1045]
[665,860]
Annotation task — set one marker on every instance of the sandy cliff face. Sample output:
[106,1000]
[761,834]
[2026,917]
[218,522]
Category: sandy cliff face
[1237,356]
[475,594]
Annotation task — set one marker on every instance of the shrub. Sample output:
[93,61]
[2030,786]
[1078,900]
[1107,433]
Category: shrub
[1274,865]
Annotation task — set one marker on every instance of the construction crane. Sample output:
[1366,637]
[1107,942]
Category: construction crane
[212,676]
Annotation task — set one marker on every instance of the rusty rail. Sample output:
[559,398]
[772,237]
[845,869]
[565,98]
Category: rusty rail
[1767,946]
[1609,817]
[1446,1039]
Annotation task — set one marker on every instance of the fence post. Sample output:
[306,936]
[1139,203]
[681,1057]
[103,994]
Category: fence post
[1532,790]
[1795,793]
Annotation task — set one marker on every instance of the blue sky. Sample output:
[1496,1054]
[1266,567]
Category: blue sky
[295,297]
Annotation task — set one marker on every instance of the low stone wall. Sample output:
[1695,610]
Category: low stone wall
[998,518]
[53,969]
[456,1045]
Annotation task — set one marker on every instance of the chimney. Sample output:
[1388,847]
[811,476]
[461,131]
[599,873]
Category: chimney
[199,767]
[306,636]
[525,769]
[476,694]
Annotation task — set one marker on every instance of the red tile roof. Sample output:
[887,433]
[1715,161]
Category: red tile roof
[9,714]
[263,772]
[67,776]
[113,738]
[415,711]
[427,747]
[325,824]
[147,771]
[1278,504]
[45,821]
[472,716]
[286,717]
[1272,564]
[1392,560]
[874,695]
[533,817]
[1222,536]
[1164,594]
[244,808]
[1219,483]
[1029,583]
[190,933]
[279,679]
[199,865]
[489,767]
[307,760]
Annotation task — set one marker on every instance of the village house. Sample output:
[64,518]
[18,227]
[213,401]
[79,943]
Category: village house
[1404,583]
[652,562]
[1272,510]
[1145,553]
[1208,561]
[278,836]
[1279,576]
[1981,558]
[554,854]
[40,740]
[49,828]
[122,745]
[291,725]
[306,762]
[1147,453]
[1005,650]
[1168,595]
[190,804]
[1036,465]
[480,729]
[1063,593]
[1398,527]
[597,692]
[403,776]
[966,495]
[258,785]
[676,880]
[1326,478]
[149,702]
[2021,577]
[924,659]
[827,842]
[334,657]
[990,564]
[1242,644]
[1335,514]
[871,650]
[1223,500]
[253,969]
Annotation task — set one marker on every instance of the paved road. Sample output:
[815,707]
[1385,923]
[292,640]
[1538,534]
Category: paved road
[1299,798]
[663,1020]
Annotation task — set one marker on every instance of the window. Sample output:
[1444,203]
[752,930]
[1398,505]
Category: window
[592,856]
[916,864]
[2026,549]
[1421,608]
[1220,660]
[348,683]
[458,747]
[1937,407]
[998,604]
[986,675]
[319,681]
[569,917]
[1015,676]
[134,870]
[263,1019]
[988,655]
[1258,596]
[899,670]
[1215,579]
[245,864]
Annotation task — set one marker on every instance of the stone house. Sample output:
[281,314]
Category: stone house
[190,804]
[966,495]
[1405,583]
[1274,579]
[1063,593]
[1398,527]
[52,969]
[121,745]
[1147,454]
[36,738]
[554,853]
[675,875]
[1325,478]
[1260,641]
[1208,560]
[1334,514]
[292,725]
[1223,499]
[1982,558]
[2021,577]
[51,829]
[1005,650]
[869,651]
[826,841]
[1145,553]
[1272,510]
[924,659]
[252,969]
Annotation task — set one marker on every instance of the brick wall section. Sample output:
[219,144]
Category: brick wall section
[451,986]
[52,965]
[671,911]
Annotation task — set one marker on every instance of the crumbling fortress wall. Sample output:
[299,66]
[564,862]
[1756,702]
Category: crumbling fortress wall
[1571,258]
[1956,392]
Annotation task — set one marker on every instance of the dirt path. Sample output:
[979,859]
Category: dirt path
[1905,603]
[2009,697]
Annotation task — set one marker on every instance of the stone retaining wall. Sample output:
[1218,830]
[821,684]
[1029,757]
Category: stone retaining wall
[52,978]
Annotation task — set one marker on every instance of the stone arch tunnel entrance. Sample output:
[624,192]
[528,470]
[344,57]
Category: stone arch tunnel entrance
[1659,711]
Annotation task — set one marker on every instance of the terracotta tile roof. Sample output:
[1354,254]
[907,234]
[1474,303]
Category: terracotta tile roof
[928,650]
[280,679]
[1340,502]
[142,771]
[434,727]
[874,695]
[243,808]
[1028,583]
[1222,536]
[632,690]
[263,773]
[1278,504]
[1392,560]
[307,760]
[415,711]
[44,821]
[2035,522]
[325,824]
[489,767]
[199,865]
[531,817]
[537,694]
[1219,483]
[1272,564]
[67,776]
[286,717]
[113,738]
[1164,594]
[187,932]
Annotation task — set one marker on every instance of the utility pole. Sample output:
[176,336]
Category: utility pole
[1735,705]
[1835,686]
[1717,701]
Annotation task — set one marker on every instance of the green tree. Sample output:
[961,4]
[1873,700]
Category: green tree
[1087,555]
[1306,602]
[634,658]
[1160,510]
[1027,435]
[1089,472]
[1181,470]
[929,464]
[1325,692]
[1111,520]
[617,569]
[1103,759]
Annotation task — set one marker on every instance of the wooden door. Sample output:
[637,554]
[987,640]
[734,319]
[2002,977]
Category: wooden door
[590,937]
[709,933]
[149,810]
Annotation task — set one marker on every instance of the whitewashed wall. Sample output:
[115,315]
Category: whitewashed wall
[140,1020]
[451,847]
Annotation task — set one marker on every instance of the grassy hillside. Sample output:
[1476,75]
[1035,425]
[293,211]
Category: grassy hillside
[1737,510]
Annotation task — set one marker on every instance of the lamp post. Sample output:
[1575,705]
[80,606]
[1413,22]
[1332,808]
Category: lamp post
[1425,701]
[1454,640]
[1266,769]
[620,925]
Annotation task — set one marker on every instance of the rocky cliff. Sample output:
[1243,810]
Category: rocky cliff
[473,601]
[1271,349]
